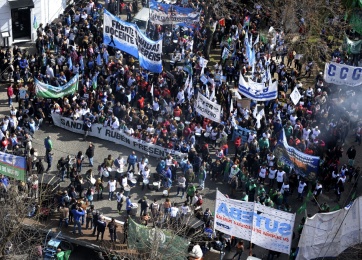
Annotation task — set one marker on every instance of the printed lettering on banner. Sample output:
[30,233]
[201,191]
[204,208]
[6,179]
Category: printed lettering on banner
[114,135]
[272,229]
[257,91]
[128,38]
[243,133]
[264,226]
[342,74]
[208,108]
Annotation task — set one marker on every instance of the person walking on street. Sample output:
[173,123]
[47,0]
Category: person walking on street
[101,227]
[10,93]
[128,205]
[190,193]
[112,186]
[181,185]
[48,145]
[112,227]
[90,154]
[239,250]
[144,205]
[132,160]
[61,166]
[49,160]
[89,217]
[351,153]
[120,200]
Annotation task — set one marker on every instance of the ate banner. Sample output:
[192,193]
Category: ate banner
[48,91]
[304,164]
[128,38]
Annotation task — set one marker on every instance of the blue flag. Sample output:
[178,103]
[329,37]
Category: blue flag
[70,63]
[35,23]
[69,20]
[99,59]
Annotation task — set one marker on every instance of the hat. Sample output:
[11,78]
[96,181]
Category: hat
[144,197]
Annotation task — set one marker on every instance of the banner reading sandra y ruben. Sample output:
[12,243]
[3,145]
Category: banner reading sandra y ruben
[48,91]
[128,38]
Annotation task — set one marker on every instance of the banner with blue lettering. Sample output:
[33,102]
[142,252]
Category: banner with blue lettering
[342,74]
[243,133]
[258,91]
[304,164]
[128,38]
[170,14]
[264,226]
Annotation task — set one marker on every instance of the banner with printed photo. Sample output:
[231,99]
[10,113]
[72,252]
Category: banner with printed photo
[161,13]
[342,74]
[48,91]
[304,164]
[115,135]
[128,38]
[257,91]
[207,108]
[264,226]
[13,166]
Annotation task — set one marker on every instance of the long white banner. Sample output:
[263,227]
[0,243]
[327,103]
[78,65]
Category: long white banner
[342,74]
[207,108]
[264,226]
[329,234]
[114,135]
[258,91]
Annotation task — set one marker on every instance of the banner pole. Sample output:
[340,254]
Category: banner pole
[217,190]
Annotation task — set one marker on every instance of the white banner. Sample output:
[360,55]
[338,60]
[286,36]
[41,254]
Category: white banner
[329,234]
[115,135]
[207,108]
[264,226]
[258,91]
[342,74]
[295,96]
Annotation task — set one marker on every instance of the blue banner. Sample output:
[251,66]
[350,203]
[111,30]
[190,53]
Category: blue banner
[128,38]
[243,133]
[304,164]
[258,91]
[170,14]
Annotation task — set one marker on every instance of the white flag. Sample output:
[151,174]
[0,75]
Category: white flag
[190,90]
[257,40]
[295,96]
[207,92]
[231,105]
[212,96]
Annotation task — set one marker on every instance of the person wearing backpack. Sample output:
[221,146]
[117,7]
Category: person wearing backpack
[155,208]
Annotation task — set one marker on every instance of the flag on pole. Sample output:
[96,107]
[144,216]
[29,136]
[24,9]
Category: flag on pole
[231,106]
[256,40]
[69,20]
[222,22]
[212,96]
[337,207]
[151,91]
[246,21]
[207,92]
[190,90]
[309,194]
[70,63]
[187,82]
[99,59]
[225,53]
[94,81]
[302,208]
[35,23]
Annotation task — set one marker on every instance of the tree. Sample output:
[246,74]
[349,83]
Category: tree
[18,238]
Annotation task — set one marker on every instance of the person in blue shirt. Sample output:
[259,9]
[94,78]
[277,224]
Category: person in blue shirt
[77,215]
[4,180]
[128,205]
[132,160]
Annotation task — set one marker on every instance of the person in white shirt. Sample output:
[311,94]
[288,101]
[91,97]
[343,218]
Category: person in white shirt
[174,211]
[112,185]
[271,159]
[196,252]
[301,187]
[114,123]
[306,132]
[185,209]
[317,191]
[262,174]
[272,175]
[120,199]
[285,191]
[145,176]
[280,178]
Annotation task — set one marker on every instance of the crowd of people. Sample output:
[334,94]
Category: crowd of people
[115,92]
